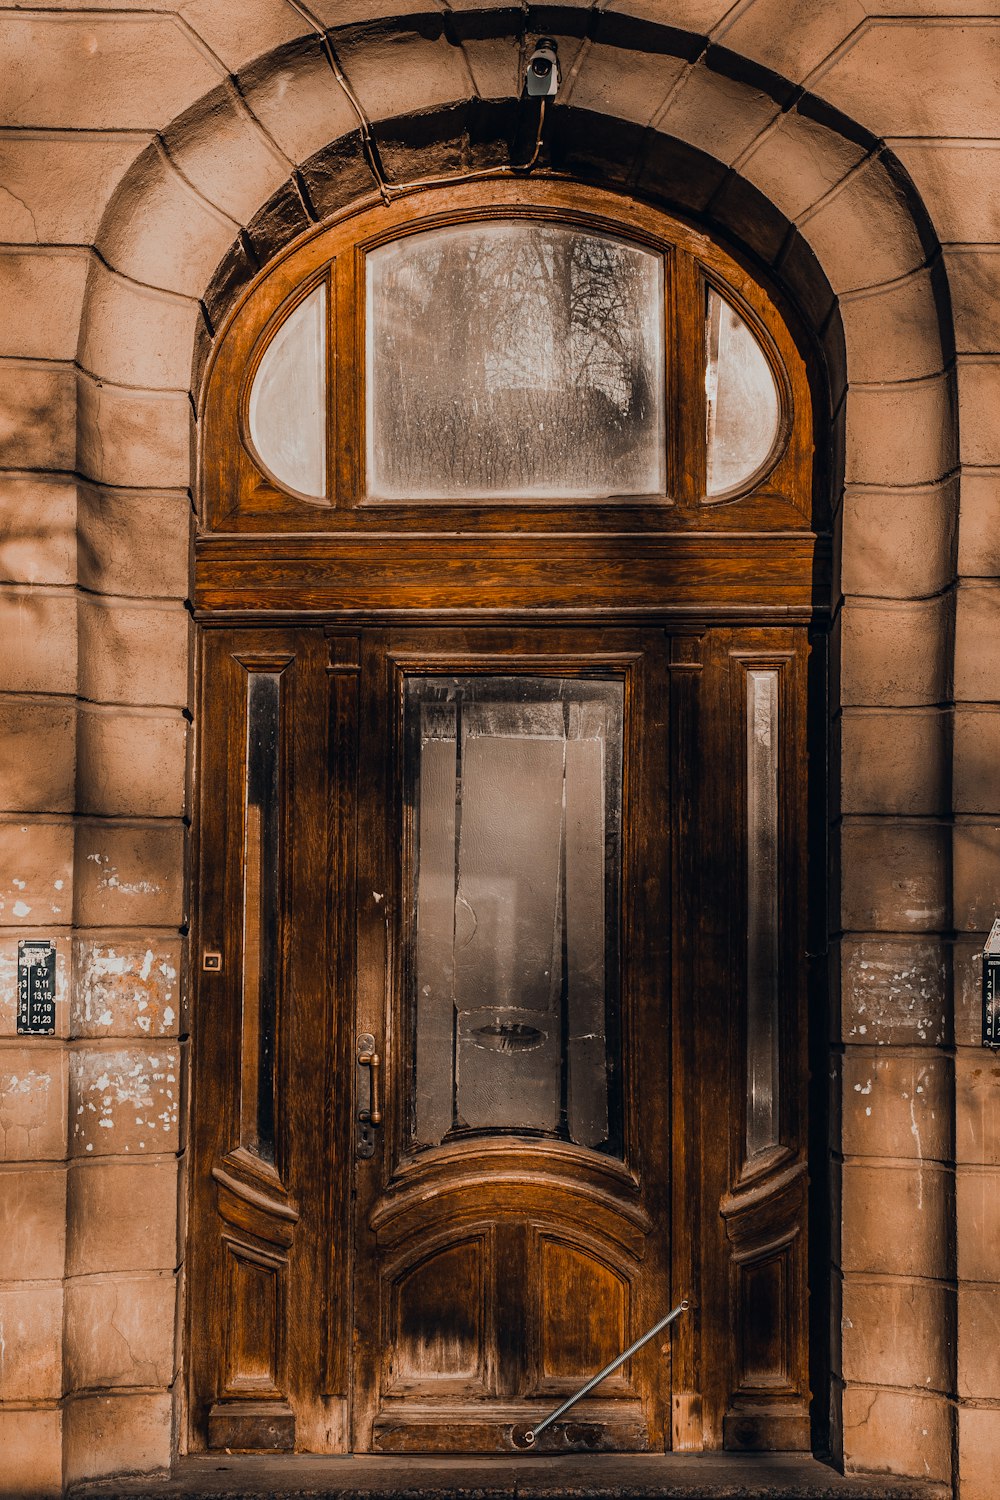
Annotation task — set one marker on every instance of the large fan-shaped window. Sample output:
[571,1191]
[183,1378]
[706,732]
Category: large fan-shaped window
[459,357]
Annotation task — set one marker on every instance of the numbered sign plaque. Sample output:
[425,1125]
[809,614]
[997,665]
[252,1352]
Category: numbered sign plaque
[991,988]
[36,987]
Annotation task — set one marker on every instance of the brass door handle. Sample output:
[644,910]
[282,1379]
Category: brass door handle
[370,1059]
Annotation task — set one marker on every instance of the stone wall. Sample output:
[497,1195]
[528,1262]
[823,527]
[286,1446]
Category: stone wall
[150,162]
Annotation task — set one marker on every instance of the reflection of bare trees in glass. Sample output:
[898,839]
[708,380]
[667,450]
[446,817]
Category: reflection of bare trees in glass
[513,359]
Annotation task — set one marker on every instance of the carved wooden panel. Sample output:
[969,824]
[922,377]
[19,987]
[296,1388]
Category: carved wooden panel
[583,1316]
[254,1321]
[439,1311]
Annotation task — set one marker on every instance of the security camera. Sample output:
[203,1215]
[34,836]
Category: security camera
[542,75]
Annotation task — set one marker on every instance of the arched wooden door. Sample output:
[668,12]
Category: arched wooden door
[505,588]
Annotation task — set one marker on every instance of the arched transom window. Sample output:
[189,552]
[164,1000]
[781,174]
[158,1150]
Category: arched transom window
[512,346]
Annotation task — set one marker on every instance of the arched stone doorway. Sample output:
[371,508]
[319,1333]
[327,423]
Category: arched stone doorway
[134,428]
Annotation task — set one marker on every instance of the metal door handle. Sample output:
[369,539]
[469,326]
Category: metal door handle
[369,1058]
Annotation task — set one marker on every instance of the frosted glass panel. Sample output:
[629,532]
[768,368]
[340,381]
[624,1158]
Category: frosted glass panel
[513,934]
[288,400]
[743,407]
[261,904]
[762,910]
[510,360]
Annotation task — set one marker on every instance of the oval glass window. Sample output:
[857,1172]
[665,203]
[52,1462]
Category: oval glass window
[510,360]
[288,400]
[744,410]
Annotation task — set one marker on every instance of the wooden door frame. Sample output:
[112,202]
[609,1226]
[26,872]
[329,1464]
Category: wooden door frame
[276,567]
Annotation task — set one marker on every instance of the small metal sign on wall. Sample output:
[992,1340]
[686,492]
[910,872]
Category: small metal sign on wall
[36,987]
[991,988]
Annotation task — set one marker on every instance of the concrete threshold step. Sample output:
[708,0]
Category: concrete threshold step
[708,1476]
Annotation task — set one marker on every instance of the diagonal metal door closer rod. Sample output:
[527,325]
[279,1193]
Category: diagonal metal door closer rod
[534,1432]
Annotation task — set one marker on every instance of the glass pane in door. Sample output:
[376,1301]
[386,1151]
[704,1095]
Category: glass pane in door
[515,786]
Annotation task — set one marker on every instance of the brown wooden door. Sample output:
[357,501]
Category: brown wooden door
[553,877]
[512,1206]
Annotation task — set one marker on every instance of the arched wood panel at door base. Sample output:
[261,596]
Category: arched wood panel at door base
[499,1035]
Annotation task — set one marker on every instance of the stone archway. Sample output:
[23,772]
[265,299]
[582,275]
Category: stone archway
[821,209]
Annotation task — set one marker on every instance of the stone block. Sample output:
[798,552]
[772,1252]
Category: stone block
[134,653]
[92,72]
[896,1220]
[125,986]
[717,113]
[493,54]
[893,333]
[904,1432]
[978,1451]
[9,939]
[974,283]
[977,1107]
[977,648]
[791,38]
[798,162]
[160,231]
[863,232]
[32,1446]
[42,290]
[33,1102]
[651,78]
[894,653]
[975,760]
[129,875]
[399,68]
[36,872]
[33,1213]
[122,1216]
[37,755]
[893,992]
[899,543]
[124,1101]
[901,434]
[976,875]
[120,1331]
[37,416]
[699,16]
[223,152]
[54,186]
[979,397]
[917,77]
[131,764]
[967,990]
[135,543]
[894,876]
[977,1214]
[979,1342]
[140,438]
[979,525]
[37,529]
[31,1320]
[896,1105]
[137,335]
[120,1434]
[894,762]
[898,1333]
[297,99]
[38,629]
[237,36]
[959,184]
